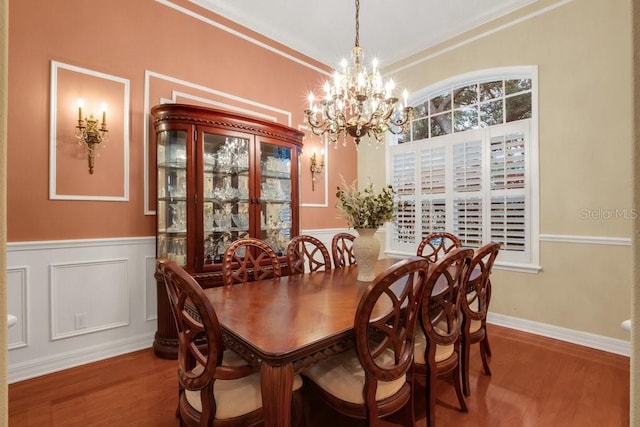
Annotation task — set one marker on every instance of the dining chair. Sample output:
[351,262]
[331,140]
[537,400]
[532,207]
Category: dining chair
[475,304]
[307,253]
[434,245]
[342,250]
[437,344]
[375,379]
[249,259]
[216,386]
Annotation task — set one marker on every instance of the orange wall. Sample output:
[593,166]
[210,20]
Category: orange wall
[125,38]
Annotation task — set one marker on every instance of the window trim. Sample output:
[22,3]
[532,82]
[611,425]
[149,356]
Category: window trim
[532,160]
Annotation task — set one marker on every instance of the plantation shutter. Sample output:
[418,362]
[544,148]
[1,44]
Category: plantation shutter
[467,220]
[507,161]
[404,184]
[433,216]
[474,184]
[508,222]
[467,166]
[432,170]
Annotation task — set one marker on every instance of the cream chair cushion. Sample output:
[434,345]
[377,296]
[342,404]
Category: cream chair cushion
[343,377]
[234,397]
[443,352]
[475,325]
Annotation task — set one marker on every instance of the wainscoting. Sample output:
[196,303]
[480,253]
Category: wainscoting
[80,301]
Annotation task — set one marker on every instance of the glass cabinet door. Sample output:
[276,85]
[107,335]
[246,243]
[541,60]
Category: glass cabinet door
[225,191]
[172,196]
[275,196]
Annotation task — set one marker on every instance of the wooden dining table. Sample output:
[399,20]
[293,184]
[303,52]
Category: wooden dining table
[288,324]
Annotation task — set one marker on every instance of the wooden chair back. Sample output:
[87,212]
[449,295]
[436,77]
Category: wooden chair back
[200,344]
[307,253]
[440,319]
[475,301]
[475,304]
[440,314]
[247,260]
[385,323]
[435,245]
[342,250]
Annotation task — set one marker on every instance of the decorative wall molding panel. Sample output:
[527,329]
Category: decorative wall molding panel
[151,312]
[322,186]
[95,292]
[67,159]
[17,295]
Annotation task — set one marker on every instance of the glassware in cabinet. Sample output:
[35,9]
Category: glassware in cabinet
[225,193]
[171,198]
[276,195]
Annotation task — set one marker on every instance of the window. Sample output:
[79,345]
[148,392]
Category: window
[468,165]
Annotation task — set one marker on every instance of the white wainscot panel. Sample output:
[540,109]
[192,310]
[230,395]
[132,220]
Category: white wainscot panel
[17,280]
[88,296]
[151,312]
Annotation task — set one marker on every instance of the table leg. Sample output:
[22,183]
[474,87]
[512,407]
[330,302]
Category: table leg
[276,383]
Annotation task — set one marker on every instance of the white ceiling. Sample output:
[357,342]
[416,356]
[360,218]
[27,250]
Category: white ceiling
[389,30]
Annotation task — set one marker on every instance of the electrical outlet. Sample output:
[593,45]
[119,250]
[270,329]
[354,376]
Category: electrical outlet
[81,320]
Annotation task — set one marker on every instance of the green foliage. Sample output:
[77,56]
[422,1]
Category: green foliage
[365,209]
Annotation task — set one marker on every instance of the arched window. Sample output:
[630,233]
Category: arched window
[468,165]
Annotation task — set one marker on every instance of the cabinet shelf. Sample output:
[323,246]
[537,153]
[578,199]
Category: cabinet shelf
[173,165]
[274,174]
[211,169]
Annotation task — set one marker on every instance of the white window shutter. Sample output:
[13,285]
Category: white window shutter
[403,180]
[467,166]
[433,216]
[508,161]
[404,228]
[432,170]
[467,220]
[508,225]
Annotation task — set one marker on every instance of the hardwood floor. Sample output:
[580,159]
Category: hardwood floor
[536,382]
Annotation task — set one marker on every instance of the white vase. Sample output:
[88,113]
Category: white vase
[366,250]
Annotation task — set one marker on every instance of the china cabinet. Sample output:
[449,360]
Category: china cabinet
[220,177]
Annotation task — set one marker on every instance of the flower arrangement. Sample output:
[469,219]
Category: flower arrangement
[365,209]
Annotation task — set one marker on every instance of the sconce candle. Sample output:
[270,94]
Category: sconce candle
[80,105]
[103,107]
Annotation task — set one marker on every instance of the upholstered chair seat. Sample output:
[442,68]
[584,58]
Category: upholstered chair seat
[443,352]
[343,377]
[234,398]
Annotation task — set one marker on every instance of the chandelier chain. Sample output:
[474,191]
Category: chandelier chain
[357,23]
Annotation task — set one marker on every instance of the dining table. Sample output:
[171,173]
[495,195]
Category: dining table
[285,325]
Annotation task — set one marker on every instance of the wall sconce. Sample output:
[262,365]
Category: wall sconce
[316,168]
[88,133]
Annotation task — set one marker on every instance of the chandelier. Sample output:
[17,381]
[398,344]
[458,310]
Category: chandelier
[357,102]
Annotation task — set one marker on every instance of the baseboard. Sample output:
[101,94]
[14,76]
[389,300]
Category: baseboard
[599,342]
[81,356]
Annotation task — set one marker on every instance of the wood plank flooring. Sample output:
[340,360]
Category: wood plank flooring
[536,381]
